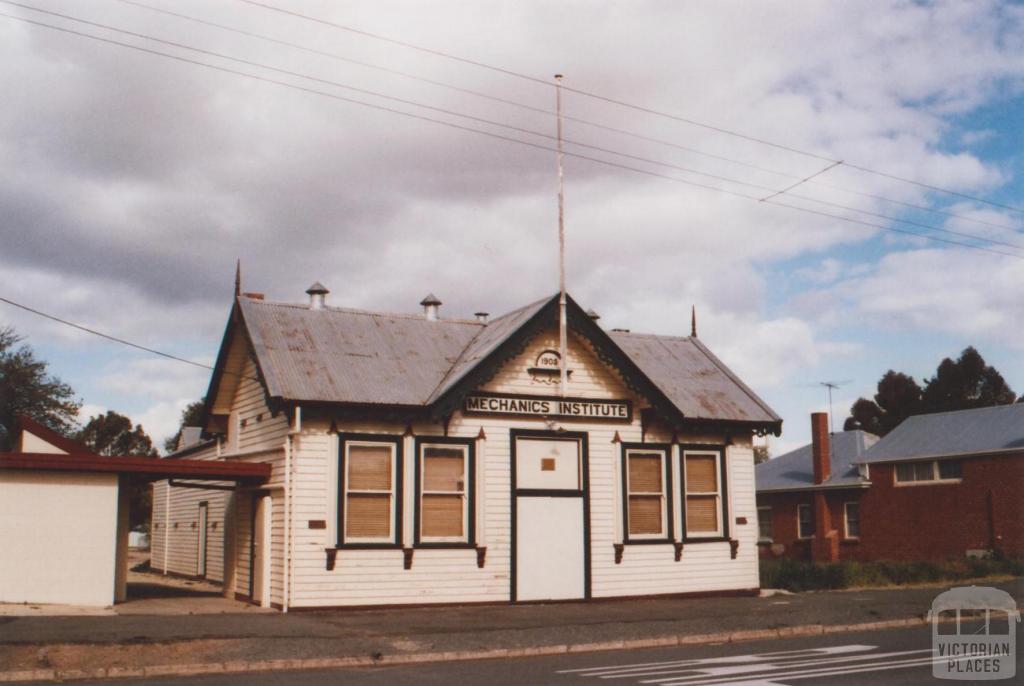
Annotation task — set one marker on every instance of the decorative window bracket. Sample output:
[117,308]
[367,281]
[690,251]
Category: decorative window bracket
[332,555]
[734,547]
[407,558]
[619,548]
[679,550]
[481,554]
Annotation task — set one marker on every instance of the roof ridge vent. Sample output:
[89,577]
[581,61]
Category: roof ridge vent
[317,296]
[431,307]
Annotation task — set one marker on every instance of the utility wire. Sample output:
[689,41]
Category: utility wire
[772,192]
[801,181]
[622,103]
[544,111]
[94,332]
[490,134]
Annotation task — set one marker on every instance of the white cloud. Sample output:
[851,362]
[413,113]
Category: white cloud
[964,292]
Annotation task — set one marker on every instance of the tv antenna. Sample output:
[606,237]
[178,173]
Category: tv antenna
[832,385]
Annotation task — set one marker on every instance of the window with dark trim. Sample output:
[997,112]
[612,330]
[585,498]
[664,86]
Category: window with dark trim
[705,492]
[764,523]
[647,492]
[851,519]
[928,470]
[445,498]
[369,489]
[805,521]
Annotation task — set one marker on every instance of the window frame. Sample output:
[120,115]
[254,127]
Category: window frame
[723,492]
[397,489]
[667,505]
[846,520]
[936,474]
[799,529]
[769,538]
[469,505]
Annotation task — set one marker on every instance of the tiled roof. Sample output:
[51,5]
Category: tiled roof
[984,430]
[794,470]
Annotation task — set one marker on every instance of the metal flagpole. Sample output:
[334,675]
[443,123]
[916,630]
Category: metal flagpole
[563,342]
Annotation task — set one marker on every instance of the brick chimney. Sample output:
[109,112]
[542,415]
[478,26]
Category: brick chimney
[820,448]
[825,545]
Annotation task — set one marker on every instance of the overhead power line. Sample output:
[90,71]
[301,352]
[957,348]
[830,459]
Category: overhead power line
[123,341]
[94,332]
[548,112]
[490,134]
[759,187]
[623,103]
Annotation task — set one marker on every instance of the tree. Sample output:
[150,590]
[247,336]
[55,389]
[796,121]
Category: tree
[113,434]
[897,398]
[190,416]
[965,384]
[962,385]
[761,454]
[26,388]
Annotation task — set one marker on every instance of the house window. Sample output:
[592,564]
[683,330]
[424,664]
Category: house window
[805,521]
[930,470]
[702,474]
[851,515]
[646,488]
[950,469]
[445,492]
[764,523]
[370,479]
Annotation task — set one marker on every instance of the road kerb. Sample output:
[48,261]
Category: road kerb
[241,666]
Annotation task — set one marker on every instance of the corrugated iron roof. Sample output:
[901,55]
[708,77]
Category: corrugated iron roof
[343,355]
[696,381]
[795,470]
[354,356]
[984,430]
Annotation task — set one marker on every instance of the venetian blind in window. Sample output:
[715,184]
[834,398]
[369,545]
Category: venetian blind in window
[443,501]
[703,497]
[646,490]
[369,487]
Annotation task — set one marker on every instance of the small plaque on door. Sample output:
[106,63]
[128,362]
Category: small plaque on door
[547,464]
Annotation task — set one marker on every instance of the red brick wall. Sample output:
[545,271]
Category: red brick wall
[929,521]
[784,523]
[939,521]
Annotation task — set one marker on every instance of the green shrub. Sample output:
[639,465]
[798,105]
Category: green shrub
[795,575]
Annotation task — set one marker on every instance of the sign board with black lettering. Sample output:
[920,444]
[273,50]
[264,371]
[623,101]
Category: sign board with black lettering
[542,406]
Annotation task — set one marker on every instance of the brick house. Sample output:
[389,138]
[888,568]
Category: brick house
[938,487]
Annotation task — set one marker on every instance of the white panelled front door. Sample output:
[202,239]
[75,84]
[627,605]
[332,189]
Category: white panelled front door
[550,514]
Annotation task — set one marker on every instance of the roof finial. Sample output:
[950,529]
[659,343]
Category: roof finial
[693,321]
[238,277]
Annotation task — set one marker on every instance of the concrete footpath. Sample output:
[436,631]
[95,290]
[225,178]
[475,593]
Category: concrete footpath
[83,647]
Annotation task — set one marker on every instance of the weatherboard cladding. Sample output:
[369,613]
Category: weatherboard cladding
[338,355]
[794,470]
[965,432]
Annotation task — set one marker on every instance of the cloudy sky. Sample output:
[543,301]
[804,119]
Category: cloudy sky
[130,182]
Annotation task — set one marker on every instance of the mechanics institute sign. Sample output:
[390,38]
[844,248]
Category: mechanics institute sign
[540,406]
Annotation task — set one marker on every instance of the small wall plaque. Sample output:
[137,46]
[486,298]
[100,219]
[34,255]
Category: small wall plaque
[317,524]
[547,464]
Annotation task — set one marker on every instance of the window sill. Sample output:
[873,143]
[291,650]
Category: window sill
[929,482]
[441,545]
[850,541]
[765,541]
[648,541]
[708,539]
[366,546]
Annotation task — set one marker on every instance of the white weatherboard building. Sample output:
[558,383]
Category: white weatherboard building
[421,460]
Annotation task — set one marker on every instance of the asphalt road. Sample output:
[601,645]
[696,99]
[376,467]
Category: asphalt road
[901,656]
